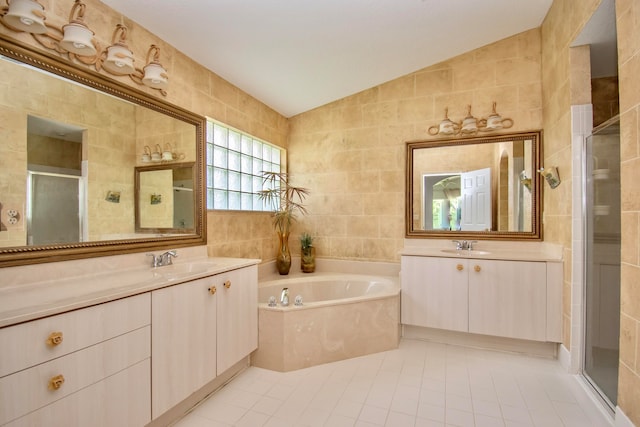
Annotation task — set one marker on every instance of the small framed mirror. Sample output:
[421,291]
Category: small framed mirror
[475,188]
[164,199]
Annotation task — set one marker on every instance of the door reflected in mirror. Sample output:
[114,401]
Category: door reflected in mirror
[55,210]
[165,200]
[474,187]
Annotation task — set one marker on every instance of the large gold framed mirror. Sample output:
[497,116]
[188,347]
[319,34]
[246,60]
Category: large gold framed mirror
[475,188]
[70,142]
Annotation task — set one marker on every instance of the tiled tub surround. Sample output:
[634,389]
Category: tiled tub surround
[344,315]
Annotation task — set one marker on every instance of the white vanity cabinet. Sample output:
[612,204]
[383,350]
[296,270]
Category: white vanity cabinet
[435,293]
[237,316]
[505,298]
[85,367]
[508,299]
[200,329]
[183,341]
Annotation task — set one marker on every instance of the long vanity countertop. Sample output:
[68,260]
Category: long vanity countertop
[21,303]
[522,251]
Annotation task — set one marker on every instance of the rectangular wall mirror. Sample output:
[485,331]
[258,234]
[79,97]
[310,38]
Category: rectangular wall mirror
[70,143]
[164,199]
[475,188]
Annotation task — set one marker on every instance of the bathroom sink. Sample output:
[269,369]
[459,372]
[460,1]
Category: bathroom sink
[175,271]
[464,252]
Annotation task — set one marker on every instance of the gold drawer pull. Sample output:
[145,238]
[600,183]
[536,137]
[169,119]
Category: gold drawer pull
[227,284]
[459,267]
[54,339]
[477,268]
[212,290]
[56,382]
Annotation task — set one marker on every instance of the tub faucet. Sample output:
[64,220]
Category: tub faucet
[284,297]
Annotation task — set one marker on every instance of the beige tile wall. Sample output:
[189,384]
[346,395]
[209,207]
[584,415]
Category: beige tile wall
[351,153]
[560,70]
[628,25]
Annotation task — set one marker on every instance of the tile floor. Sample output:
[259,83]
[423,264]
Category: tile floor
[419,384]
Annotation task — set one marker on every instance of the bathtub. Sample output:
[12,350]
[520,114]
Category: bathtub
[341,316]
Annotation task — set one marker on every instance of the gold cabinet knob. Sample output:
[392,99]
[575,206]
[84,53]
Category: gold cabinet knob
[56,382]
[477,268]
[459,267]
[54,339]
[227,284]
[212,290]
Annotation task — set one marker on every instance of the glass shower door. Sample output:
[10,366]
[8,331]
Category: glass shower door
[602,275]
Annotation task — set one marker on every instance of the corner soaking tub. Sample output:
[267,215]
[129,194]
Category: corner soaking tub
[341,316]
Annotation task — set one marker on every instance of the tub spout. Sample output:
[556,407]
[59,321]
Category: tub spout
[284,297]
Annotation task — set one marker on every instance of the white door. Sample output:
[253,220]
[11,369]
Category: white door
[476,200]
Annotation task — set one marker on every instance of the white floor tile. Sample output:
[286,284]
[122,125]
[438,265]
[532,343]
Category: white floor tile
[420,384]
[398,419]
[373,414]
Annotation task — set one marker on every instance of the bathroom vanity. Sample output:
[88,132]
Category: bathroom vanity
[506,290]
[131,347]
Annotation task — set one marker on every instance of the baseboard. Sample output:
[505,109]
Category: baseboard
[621,420]
[531,348]
[564,357]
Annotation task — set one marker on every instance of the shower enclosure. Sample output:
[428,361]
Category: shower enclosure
[602,260]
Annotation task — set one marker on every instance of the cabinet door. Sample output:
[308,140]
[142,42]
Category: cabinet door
[183,341]
[508,299]
[237,315]
[435,292]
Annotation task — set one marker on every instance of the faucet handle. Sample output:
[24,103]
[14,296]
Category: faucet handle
[470,244]
[458,244]
[154,259]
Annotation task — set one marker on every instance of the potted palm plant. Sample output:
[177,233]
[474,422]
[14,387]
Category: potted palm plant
[286,201]
[307,253]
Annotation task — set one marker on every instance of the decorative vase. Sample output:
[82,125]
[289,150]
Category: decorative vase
[308,259]
[283,259]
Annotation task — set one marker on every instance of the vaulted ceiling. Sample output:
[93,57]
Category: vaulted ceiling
[295,55]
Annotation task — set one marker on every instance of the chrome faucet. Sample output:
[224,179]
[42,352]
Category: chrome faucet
[464,245]
[163,259]
[284,297]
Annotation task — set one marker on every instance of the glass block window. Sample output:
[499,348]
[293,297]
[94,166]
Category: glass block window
[235,162]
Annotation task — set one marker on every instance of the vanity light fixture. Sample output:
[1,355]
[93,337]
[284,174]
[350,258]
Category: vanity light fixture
[119,60]
[26,15]
[77,36]
[155,75]
[470,125]
[75,41]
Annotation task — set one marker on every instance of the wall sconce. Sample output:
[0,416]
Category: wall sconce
[76,42]
[119,60]
[77,36]
[27,16]
[470,125]
[551,175]
[525,181]
[155,76]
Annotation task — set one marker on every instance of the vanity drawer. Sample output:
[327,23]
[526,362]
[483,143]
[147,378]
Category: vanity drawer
[36,387]
[123,399]
[41,340]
